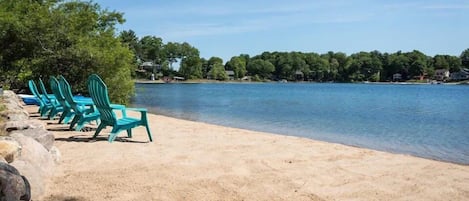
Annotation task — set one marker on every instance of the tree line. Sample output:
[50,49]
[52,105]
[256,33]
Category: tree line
[292,66]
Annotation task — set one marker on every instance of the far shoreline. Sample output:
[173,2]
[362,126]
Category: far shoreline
[206,81]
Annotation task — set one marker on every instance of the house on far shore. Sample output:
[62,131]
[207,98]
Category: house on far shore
[441,74]
[230,74]
[461,75]
[299,76]
[396,77]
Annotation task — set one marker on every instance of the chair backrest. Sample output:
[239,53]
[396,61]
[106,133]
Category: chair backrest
[35,92]
[44,91]
[55,87]
[67,93]
[98,92]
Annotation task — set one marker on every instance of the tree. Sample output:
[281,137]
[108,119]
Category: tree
[191,67]
[261,68]
[130,38]
[152,49]
[218,72]
[417,63]
[70,38]
[238,65]
[465,58]
[172,52]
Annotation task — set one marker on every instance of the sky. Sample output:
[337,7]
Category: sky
[228,28]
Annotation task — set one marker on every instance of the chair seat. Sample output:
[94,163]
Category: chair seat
[127,121]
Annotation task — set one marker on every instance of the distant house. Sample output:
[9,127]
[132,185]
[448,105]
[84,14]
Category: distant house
[396,77]
[299,76]
[150,66]
[230,74]
[441,74]
[461,75]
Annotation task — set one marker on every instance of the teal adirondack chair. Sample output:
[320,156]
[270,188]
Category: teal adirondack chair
[67,113]
[83,114]
[99,93]
[44,107]
[56,106]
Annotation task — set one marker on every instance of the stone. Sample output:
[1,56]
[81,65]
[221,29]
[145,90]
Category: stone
[21,125]
[9,149]
[13,186]
[18,115]
[41,135]
[35,163]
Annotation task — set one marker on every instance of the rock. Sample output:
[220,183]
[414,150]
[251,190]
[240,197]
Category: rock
[35,163]
[55,153]
[17,115]
[13,186]
[41,135]
[9,149]
[2,160]
[21,125]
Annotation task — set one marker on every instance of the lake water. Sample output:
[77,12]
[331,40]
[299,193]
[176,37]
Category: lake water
[430,121]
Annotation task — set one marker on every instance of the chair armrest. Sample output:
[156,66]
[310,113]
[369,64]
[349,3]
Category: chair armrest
[83,102]
[137,109]
[143,113]
[122,108]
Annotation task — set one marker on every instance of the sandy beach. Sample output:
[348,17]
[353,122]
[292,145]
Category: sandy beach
[197,161]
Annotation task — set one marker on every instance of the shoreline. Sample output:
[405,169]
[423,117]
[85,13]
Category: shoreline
[306,138]
[198,161]
[204,81]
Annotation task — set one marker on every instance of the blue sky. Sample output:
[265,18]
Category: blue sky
[229,28]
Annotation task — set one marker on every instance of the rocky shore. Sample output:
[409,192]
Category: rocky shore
[27,152]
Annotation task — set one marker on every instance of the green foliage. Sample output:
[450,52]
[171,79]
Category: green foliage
[69,38]
[261,68]
[238,66]
[465,58]
[218,72]
[191,68]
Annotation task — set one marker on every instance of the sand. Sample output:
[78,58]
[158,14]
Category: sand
[197,161]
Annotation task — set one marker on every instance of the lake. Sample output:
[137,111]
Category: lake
[430,121]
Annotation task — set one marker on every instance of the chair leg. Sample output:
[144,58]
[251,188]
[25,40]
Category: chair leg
[68,117]
[53,113]
[148,132]
[62,117]
[80,124]
[129,133]
[100,127]
[74,121]
[112,137]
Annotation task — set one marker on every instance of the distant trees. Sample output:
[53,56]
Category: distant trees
[465,58]
[338,67]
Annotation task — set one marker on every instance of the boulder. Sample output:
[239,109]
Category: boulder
[41,135]
[13,186]
[35,163]
[21,125]
[17,115]
[9,149]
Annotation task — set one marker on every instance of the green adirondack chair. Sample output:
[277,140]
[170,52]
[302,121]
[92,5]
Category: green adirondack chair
[83,114]
[56,106]
[99,93]
[44,107]
[67,113]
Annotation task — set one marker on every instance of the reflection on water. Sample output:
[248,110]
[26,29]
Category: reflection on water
[424,120]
